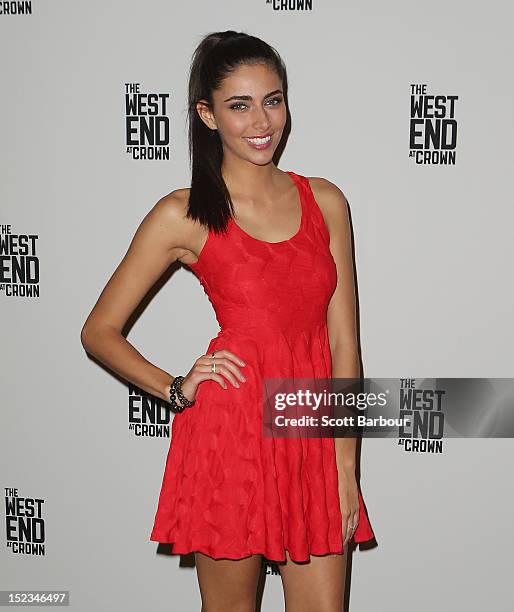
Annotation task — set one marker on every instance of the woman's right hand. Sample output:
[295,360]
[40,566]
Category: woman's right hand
[227,365]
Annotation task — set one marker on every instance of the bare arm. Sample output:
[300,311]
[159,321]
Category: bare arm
[157,243]
[341,315]
[342,331]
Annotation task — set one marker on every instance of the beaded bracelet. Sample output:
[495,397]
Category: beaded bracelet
[181,396]
[175,390]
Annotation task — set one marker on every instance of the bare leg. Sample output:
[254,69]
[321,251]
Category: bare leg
[228,585]
[314,586]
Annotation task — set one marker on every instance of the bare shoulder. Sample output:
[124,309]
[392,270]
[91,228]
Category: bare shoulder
[168,215]
[327,194]
[172,208]
[331,200]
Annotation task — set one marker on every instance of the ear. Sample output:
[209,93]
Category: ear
[206,115]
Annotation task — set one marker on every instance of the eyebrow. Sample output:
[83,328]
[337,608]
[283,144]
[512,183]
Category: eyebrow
[272,93]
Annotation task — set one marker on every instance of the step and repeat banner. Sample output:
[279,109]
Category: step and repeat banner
[408,109]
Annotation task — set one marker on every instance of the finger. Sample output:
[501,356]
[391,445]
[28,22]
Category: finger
[349,526]
[355,519]
[230,366]
[222,369]
[344,527]
[217,378]
[354,523]
[220,372]
[230,355]
[205,373]
[348,537]
[227,363]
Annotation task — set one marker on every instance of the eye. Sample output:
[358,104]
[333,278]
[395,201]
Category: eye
[271,102]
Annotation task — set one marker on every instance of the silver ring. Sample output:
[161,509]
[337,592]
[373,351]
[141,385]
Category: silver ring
[213,366]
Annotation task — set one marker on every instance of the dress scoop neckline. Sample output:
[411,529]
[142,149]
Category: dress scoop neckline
[296,181]
[295,235]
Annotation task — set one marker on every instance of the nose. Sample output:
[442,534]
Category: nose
[261,120]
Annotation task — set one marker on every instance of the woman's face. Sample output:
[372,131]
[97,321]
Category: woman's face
[250,104]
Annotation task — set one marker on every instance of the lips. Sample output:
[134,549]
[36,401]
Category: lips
[259,142]
[263,136]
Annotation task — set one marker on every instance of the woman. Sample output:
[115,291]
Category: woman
[272,250]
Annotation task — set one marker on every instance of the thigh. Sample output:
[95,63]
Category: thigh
[316,585]
[228,585]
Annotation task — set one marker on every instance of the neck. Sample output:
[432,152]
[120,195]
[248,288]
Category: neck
[248,179]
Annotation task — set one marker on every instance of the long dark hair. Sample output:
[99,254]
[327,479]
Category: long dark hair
[218,54]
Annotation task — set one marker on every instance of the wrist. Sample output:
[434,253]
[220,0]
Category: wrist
[346,470]
[167,390]
[178,401]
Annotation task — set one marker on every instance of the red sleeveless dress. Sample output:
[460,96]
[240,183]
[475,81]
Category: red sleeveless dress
[227,490]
